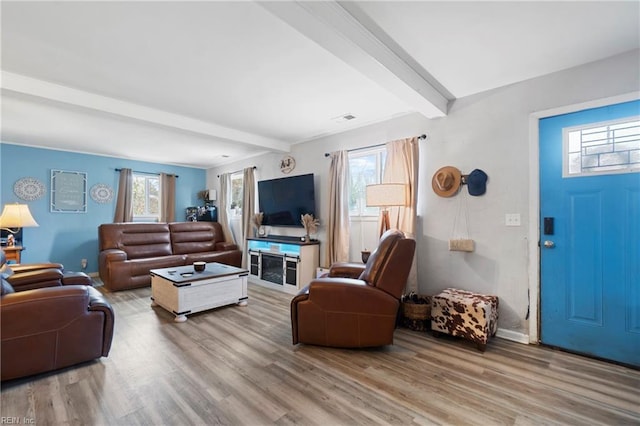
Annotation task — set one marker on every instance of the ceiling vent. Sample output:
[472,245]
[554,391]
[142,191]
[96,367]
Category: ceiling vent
[344,118]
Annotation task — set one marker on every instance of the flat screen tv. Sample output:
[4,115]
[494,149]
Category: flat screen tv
[284,200]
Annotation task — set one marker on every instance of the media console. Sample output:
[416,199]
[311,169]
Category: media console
[285,263]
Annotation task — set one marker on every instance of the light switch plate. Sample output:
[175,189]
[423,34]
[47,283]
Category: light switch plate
[512,219]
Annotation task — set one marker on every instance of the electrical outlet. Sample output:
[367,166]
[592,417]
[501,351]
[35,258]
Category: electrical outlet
[512,219]
[83,263]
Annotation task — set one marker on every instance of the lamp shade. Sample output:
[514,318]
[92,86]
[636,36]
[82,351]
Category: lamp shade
[386,195]
[17,216]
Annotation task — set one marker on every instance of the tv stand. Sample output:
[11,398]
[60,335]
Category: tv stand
[284,263]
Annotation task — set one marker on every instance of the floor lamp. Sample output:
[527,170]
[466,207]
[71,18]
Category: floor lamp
[16,216]
[386,195]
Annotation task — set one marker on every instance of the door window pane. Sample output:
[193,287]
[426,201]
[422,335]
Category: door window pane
[602,148]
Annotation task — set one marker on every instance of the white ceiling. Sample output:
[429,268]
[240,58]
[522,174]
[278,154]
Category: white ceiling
[204,83]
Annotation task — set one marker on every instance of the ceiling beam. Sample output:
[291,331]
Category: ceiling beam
[338,30]
[67,95]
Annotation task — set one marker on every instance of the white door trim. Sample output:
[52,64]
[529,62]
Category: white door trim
[534,198]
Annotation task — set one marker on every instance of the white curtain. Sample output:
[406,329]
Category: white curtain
[401,166]
[248,209]
[338,222]
[223,210]
[124,202]
[168,187]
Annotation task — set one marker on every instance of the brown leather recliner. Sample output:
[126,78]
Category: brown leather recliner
[355,305]
[39,275]
[44,329]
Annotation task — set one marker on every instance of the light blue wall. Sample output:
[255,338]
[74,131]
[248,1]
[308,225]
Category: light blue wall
[69,237]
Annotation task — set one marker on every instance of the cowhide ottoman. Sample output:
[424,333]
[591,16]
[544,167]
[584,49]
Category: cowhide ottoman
[465,314]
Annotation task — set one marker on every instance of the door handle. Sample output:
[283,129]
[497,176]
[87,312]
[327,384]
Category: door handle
[549,244]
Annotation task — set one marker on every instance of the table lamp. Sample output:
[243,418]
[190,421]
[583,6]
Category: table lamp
[386,195]
[16,216]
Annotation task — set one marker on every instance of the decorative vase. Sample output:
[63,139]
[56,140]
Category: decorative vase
[365,255]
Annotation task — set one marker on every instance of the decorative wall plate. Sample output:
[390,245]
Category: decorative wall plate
[101,193]
[29,189]
[287,164]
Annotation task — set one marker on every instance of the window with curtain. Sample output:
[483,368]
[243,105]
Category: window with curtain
[237,188]
[146,198]
[366,167]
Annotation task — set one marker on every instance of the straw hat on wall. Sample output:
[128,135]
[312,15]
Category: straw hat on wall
[446,181]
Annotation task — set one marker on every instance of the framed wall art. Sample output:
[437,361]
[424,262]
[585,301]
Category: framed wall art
[68,192]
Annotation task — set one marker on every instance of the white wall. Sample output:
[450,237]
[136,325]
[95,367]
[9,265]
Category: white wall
[489,131]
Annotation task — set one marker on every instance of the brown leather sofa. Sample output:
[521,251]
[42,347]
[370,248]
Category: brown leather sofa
[128,251]
[44,329]
[355,305]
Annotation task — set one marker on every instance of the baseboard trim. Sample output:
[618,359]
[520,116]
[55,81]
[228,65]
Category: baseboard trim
[514,336]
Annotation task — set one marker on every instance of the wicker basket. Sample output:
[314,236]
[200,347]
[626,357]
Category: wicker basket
[416,312]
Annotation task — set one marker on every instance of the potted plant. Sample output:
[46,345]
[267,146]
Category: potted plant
[310,225]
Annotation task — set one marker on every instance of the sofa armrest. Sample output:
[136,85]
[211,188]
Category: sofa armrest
[350,295]
[35,279]
[346,270]
[29,267]
[97,302]
[105,258]
[224,246]
[113,255]
[55,307]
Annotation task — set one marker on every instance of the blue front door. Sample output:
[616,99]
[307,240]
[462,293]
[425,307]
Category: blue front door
[590,232]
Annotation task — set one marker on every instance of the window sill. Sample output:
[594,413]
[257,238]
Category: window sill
[146,219]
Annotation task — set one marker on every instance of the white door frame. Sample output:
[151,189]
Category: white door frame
[534,199]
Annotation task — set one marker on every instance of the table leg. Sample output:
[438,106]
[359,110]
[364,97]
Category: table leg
[180,318]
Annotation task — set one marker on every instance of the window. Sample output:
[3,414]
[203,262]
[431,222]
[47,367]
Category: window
[237,183]
[146,197]
[603,148]
[365,168]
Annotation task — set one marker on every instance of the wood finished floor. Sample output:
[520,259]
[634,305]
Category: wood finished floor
[237,365]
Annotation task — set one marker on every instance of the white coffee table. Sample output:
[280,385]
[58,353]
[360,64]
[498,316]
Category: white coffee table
[182,291]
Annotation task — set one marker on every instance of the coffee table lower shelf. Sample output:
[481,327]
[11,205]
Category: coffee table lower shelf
[199,291]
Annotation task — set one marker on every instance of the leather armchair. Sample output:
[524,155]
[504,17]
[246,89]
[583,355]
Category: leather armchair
[44,329]
[355,305]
